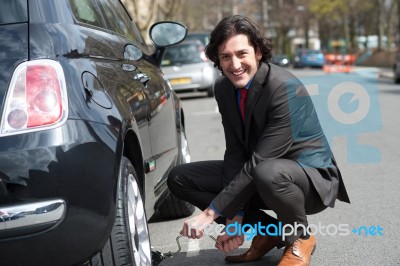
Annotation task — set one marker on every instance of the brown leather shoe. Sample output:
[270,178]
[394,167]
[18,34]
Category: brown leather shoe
[299,253]
[259,247]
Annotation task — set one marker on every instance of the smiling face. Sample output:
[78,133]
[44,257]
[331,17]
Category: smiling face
[238,60]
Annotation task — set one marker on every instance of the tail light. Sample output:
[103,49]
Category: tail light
[36,98]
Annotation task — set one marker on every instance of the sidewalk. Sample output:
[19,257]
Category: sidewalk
[383,72]
[386,73]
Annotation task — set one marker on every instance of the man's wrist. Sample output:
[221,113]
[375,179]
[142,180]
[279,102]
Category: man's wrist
[211,213]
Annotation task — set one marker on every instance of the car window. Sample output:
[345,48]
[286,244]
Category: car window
[183,54]
[119,20]
[86,12]
[13,11]
[203,37]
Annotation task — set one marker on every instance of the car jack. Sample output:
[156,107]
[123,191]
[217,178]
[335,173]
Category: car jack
[157,256]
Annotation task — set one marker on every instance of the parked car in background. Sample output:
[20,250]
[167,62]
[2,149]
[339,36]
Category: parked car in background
[280,60]
[308,58]
[188,69]
[396,69]
[203,37]
[89,131]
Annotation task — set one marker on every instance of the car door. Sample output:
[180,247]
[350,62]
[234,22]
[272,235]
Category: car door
[156,91]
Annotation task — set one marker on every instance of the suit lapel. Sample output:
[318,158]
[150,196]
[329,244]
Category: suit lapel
[255,92]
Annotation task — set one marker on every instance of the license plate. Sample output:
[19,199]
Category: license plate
[180,81]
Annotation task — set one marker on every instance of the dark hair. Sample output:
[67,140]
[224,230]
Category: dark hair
[234,25]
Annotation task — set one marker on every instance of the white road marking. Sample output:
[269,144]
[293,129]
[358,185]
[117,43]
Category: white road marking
[193,248]
[312,89]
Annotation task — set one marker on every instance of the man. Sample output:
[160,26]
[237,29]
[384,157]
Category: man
[277,157]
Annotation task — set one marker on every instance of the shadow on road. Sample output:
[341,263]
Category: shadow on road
[388,91]
[192,95]
[215,257]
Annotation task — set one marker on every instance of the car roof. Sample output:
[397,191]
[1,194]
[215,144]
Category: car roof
[204,36]
[199,33]
[187,42]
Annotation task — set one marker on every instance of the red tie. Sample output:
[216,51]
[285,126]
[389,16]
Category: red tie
[243,96]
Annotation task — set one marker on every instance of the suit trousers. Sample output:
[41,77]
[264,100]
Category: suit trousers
[280,185]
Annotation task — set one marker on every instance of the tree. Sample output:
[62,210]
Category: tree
[398,23]
[351,18]
[330,16]
[336,19]
[282,19]
[146,12]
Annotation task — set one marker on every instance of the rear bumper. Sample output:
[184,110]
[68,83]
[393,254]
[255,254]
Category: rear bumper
[59,204]
[30,218]
[195,85]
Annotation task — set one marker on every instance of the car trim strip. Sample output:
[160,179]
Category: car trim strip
[31,214]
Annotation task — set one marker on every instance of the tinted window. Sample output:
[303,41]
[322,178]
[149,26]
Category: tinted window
[203,37]
[119,20]
[183,54]
[13,11]
[86,12]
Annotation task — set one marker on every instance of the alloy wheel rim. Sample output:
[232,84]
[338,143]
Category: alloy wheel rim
[138,224]
[185,148]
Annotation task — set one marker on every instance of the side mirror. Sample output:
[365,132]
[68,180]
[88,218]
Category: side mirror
[166,33]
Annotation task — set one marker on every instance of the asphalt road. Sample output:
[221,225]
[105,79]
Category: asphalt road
[367,150]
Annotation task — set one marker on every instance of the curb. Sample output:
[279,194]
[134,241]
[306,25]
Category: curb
[386,74]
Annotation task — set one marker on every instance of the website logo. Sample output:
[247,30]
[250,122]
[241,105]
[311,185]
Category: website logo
[347,105]
[284,230]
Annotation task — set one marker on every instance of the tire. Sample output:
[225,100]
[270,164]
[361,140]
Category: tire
[129,242]
[396,74]
[210,91]
[173,208]
[396,78]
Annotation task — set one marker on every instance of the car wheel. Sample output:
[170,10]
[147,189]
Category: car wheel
[396,75]
[397,79]
[129,242]
[184,154]
[210,91]
[172,207]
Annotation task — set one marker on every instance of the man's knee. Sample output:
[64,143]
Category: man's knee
[174,178]
[271,173]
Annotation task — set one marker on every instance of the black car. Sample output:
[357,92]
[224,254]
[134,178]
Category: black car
[89,131]
[280,60]
[396,69]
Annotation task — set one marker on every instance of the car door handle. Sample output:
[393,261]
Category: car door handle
[141,77]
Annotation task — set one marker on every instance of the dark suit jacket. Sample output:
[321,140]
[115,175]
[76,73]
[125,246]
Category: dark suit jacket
[281,122]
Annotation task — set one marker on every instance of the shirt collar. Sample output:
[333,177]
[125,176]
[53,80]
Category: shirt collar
[248,84]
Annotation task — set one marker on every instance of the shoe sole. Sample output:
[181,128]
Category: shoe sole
[314,248]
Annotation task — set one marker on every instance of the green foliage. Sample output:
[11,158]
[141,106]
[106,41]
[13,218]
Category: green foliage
[330,8]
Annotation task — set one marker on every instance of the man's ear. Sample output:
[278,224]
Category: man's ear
[258,54]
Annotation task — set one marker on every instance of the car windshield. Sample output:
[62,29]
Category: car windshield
[203,37]
[13,11]
[183,54]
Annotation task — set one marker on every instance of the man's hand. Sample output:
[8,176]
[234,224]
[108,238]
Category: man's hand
[193,228]
[230,242]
